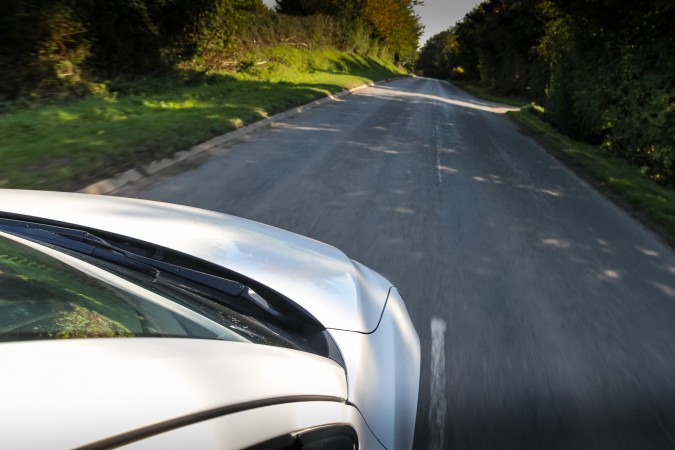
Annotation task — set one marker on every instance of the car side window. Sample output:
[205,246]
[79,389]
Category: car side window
[329,437]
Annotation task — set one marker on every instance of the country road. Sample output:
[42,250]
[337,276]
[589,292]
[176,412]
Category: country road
[546,315]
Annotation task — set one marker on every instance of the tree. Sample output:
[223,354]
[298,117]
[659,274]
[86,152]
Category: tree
[602,68]
[393,23]
[439,56]
[397,24]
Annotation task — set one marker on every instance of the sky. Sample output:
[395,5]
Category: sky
[437,15]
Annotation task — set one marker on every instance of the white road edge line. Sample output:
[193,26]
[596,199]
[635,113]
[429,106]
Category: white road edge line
[438,404]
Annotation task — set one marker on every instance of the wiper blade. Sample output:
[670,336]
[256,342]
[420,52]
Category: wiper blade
[89,245]
[92,245]
[275,312]
[200,283]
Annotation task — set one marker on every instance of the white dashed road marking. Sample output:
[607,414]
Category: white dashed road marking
[438,403]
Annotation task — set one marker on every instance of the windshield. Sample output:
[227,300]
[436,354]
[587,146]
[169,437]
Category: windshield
[47,294]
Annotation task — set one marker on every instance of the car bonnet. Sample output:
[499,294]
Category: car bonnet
[66,393]
[340,293]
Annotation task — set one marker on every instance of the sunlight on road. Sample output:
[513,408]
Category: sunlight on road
[376,91]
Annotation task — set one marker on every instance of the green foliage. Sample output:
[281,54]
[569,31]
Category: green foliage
[392,26]
[311,32]
[46,61]
[651,202]
[604,69]
[76,47]
[612,79]
[166,74]
[439,57]
[397,24]
[68,145]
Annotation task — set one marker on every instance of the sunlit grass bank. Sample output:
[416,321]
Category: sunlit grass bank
[66,146]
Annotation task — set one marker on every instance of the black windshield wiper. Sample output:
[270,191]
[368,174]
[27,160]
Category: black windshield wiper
[273,311]
[166,273]
[94,247]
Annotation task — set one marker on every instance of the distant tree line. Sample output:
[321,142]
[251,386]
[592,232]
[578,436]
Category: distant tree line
[603,69]
[392,23]
[69,47]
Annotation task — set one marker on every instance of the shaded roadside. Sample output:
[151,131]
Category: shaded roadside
[647,201]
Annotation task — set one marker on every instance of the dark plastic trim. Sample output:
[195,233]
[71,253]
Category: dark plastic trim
[190,419]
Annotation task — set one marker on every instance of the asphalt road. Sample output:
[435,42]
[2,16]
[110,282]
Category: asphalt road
[546,315]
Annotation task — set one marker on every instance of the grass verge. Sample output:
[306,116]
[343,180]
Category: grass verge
[67,146]
[643,198]
[648,201]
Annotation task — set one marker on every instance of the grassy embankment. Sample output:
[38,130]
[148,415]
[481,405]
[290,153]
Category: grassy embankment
[66,146]
[645,199]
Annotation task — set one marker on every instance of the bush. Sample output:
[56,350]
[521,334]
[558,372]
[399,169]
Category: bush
[47,61]
[77,47]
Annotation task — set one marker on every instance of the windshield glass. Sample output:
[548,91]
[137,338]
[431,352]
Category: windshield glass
[46,294]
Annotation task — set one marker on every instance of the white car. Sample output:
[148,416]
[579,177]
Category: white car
[210,331]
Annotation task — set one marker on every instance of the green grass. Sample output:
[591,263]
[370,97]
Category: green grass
[66,146]
[625,184]
[647,200]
